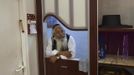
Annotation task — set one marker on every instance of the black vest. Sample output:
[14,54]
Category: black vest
[54,44]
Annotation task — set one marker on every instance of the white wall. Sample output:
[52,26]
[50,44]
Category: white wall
[30,4]
[122,7]
[10,40]
[79,13]
[32,41]
[64,11]
[32,44]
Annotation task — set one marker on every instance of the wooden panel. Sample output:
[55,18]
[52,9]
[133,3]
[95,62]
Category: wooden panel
[112,70]
[69,64]
[63,67]
[52,68]
[93,38]
[116,30]
[40,49]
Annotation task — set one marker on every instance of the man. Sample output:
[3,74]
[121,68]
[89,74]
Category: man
[61,45]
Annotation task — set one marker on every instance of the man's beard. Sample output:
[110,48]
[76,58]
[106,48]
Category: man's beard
[61,36]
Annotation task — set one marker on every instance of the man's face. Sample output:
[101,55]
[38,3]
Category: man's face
[59,32]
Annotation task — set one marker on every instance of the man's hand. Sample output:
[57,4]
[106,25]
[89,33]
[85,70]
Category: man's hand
[65,53]
[53,59]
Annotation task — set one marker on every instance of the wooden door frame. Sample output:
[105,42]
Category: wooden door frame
[92,32]
[93,38]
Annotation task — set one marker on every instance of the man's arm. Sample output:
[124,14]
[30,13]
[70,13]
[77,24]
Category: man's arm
[49,51]
[64,53]
[51,54]
[72,46]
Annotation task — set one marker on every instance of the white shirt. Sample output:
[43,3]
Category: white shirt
[71,47]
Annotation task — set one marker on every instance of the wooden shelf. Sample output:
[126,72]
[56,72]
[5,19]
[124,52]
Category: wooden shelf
[118,61]
[116,29]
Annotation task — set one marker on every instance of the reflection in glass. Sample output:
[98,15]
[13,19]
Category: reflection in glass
[81,41]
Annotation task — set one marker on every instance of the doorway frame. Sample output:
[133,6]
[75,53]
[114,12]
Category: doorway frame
[92,42]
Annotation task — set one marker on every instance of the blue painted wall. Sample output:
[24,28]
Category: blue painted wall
[81,39]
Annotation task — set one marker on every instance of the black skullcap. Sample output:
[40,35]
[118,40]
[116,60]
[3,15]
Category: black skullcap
[55,25]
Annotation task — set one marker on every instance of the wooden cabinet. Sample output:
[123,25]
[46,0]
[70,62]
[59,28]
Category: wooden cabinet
[112,70]
[63,67]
